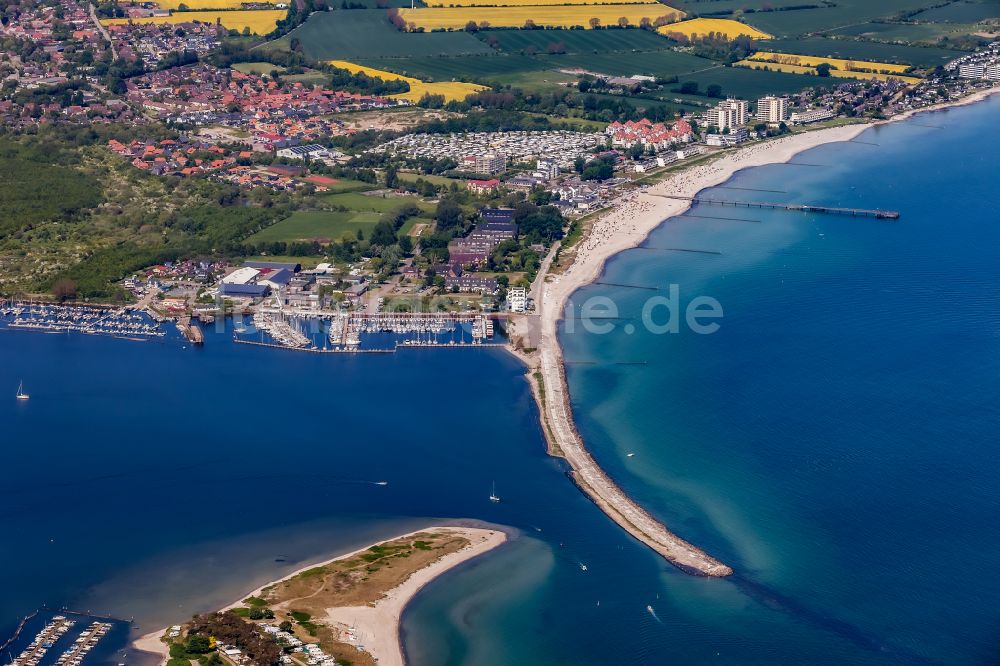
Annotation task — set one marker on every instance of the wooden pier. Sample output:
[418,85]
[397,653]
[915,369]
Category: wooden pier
[803,208]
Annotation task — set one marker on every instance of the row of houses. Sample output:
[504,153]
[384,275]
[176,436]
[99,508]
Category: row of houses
[657,136]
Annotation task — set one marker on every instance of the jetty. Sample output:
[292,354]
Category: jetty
[876,213]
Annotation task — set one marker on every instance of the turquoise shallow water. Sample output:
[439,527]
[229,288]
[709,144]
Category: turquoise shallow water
[834,442]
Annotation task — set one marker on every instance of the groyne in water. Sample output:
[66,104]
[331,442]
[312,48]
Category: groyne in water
[565,441]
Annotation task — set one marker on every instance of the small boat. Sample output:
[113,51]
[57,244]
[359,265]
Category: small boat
[630,454]
[583,567]
[493,494]
[21,395]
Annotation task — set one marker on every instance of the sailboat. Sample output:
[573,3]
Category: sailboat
[493,494]
[21,395]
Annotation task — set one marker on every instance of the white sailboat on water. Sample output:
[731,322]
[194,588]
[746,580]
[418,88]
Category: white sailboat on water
[493,494]
[21,395]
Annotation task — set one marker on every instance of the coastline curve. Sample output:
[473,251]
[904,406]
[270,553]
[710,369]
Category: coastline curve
[630,220]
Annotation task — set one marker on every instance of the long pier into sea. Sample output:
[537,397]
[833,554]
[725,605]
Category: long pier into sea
[802,208]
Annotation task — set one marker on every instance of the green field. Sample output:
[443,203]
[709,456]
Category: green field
[347,185]
[919,56]
[430,178]
[964,11]
[721,8]
[367,33]
[540,69]
[653,63]
[307,225]
[914,33]
[844,13]
[577,41]
[376,204]
[257,67]
[751,84]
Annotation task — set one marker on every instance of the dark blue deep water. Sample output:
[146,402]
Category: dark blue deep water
[834,442]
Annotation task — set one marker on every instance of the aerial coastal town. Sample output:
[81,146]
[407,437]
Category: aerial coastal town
[366,178]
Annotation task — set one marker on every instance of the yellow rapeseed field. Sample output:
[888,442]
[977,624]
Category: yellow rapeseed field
[835,73]
[837,63]
[529,3]
[450,90]
[702,26]
[260,21]
[200,4]
[553,16]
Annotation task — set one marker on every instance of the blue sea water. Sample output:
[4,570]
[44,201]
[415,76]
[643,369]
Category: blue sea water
[833,442]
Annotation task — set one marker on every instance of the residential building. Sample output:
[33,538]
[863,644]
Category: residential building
[517,299]
[735,137]
[547,169]
[728,114]
[487,163]
[772,109]
[972,70]
[649,134]
[483,186]
[811,116]
[313,151]
[497,214]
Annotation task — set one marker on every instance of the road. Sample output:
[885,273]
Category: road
[104,32]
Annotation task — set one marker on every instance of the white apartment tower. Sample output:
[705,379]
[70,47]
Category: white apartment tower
[772,109]
[517,299]
[729,114]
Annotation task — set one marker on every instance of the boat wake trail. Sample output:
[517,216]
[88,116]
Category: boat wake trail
[781,602]
[652,612]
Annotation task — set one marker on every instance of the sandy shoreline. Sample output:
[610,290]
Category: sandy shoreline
[634,216]
[377,626]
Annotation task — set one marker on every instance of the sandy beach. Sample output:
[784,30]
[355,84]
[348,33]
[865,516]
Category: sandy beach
[632,218]
[376,627]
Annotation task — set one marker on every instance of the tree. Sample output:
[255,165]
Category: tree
[594,23]
[622,21]
[64,289]
[383,234]
[689,88]
[823,69]
[285,626]
[198,644]
[448,214]
[579,164]
[391,177]
[471,27]
[714,90]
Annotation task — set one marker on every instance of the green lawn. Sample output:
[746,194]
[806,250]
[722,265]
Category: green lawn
[309,224]
[367,33]
[374,203]
[347,185]
[436,180]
